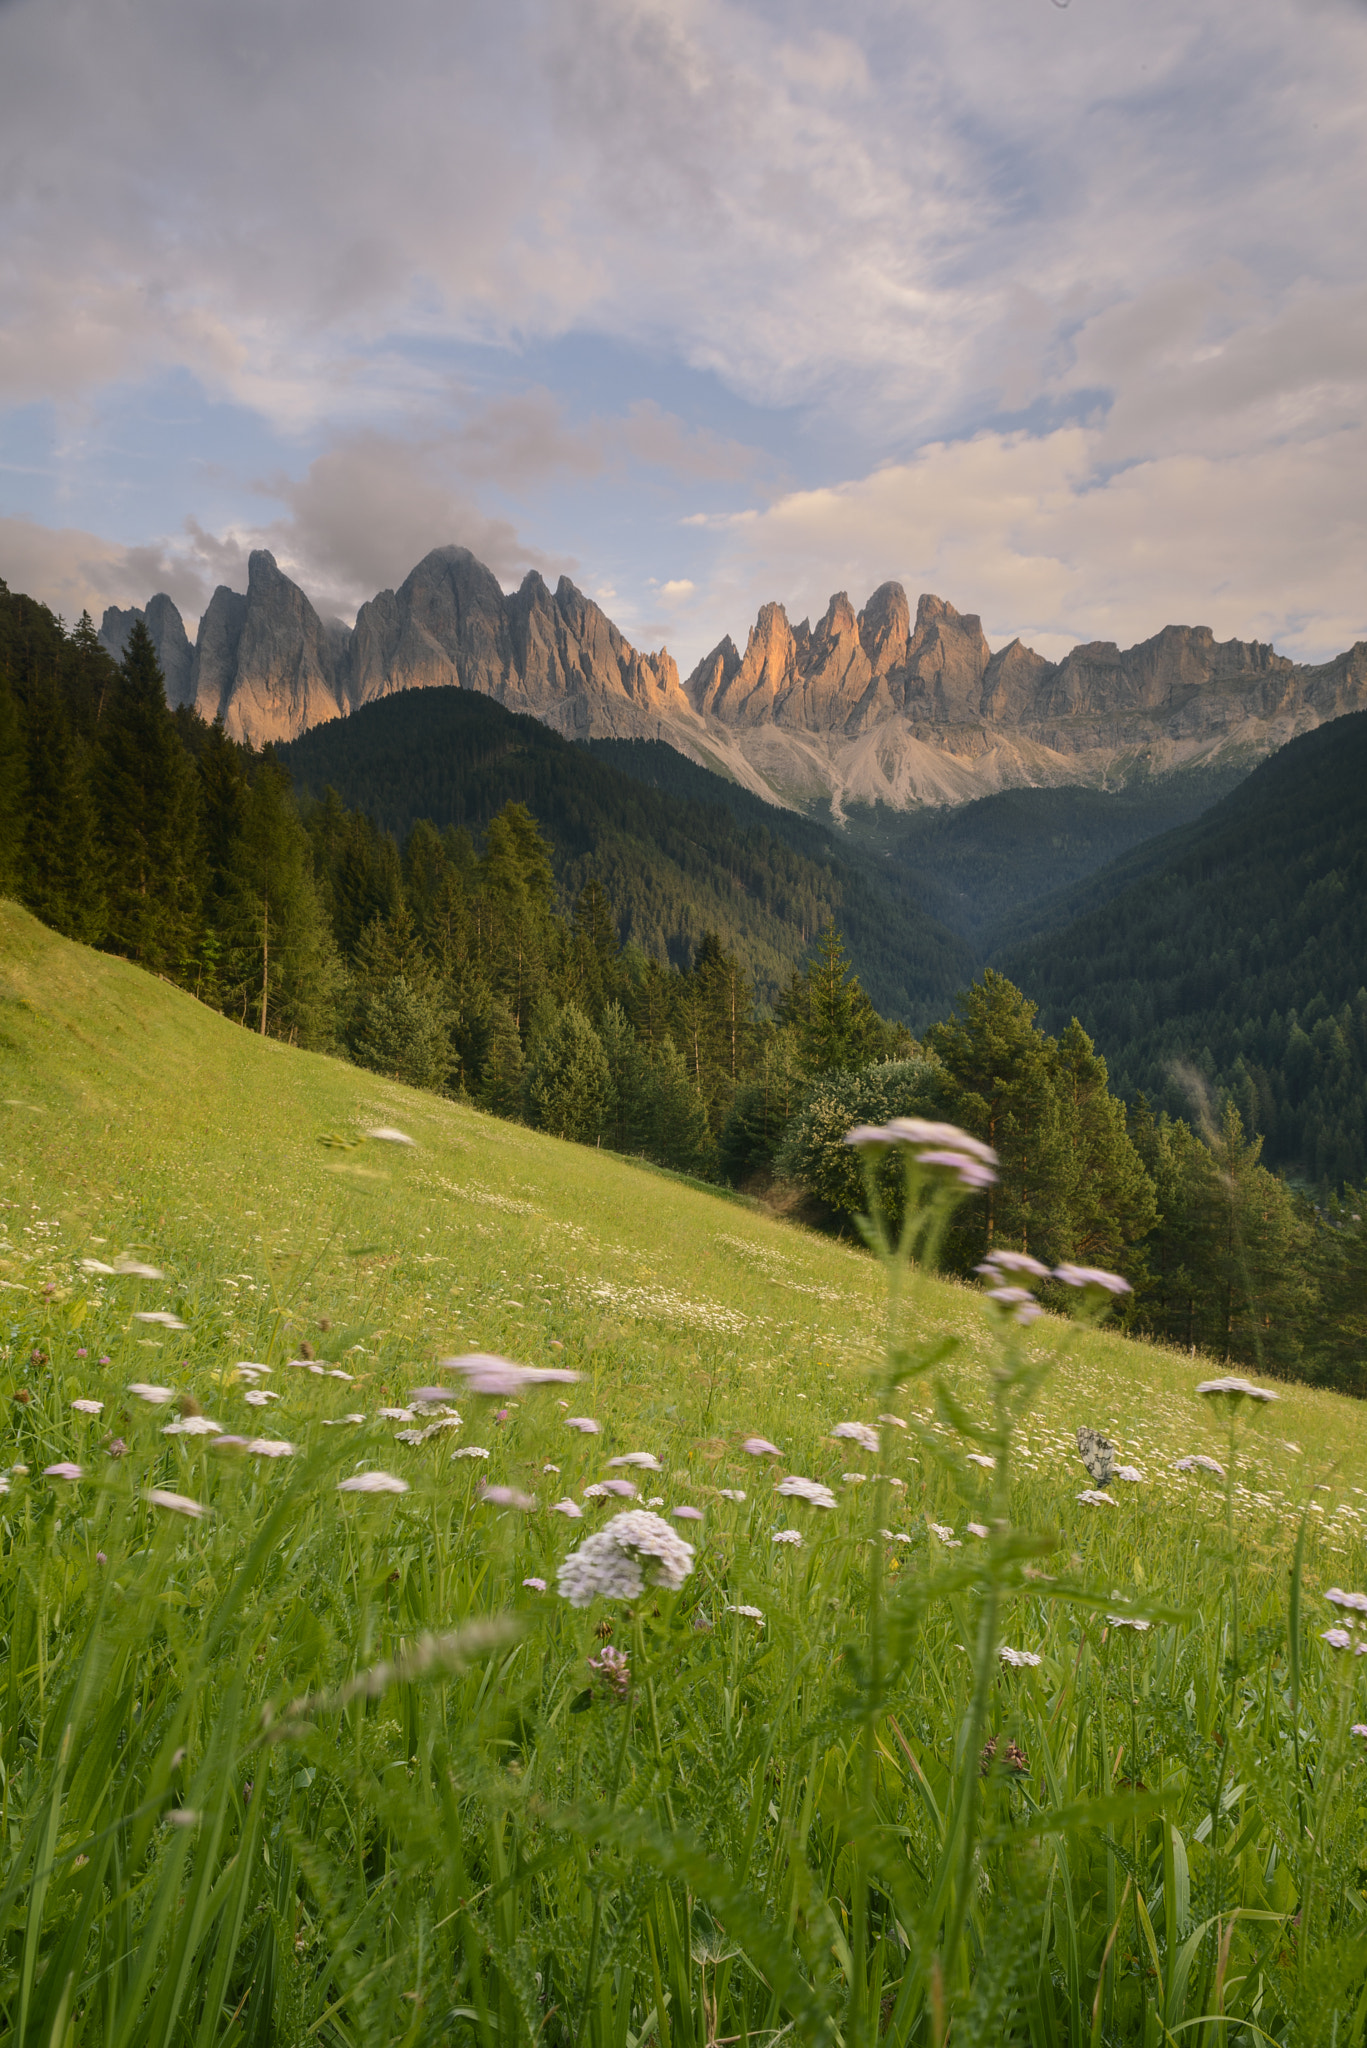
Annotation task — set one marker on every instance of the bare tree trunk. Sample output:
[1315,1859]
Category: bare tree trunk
[265,957]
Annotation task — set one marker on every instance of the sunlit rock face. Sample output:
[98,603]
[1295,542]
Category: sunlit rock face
[868,706]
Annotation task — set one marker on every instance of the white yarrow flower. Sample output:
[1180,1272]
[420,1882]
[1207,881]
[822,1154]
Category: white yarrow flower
[269,1447]
[746,1613]
[1237,1389]
[585,1424]
[64,1470]
[793,1536]
[1130,1473]
[133,1269]
[1199,1462]
[1352,1603]
[736,1493]
[156,1395]
[468,1451]
[161,1316]
[1018,1659]
[811,1490]
[616,1561]
[385,1134]
[760,1447]
[1092,1497]
[193,1425]
[507,1497]
[1128,1621]
[1337,1638]
[177,1503]
[88,1407]
[858,1433]
[372,1482]
[988,1464]
[569,1508]
[645,1461]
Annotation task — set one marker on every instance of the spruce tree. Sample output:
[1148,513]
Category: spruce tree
[148,816]
[61,879]
[13,791]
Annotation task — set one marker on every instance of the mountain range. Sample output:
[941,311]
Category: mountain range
[865,708]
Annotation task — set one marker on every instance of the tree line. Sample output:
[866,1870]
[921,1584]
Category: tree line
[465,968]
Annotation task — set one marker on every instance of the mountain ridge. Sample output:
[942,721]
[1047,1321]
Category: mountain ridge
[865,707]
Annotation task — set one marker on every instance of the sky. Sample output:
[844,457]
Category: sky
[1056,310]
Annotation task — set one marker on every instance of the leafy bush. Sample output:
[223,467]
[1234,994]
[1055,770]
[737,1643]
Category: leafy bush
[813,1153]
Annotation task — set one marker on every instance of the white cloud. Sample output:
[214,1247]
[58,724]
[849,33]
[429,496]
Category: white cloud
[1036,534]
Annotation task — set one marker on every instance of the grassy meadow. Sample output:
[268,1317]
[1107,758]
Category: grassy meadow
[322,1765]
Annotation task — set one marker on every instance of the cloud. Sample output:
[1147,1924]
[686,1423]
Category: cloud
[71,571]
[1037,534]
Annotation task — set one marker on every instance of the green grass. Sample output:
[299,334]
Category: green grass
[783,1832]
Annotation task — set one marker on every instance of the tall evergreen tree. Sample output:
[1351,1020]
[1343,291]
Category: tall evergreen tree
[62,877]
[283,969]
[147,812]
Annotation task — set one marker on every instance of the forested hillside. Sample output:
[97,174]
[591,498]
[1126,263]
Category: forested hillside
[1235,950]
[989,870]
[673,865]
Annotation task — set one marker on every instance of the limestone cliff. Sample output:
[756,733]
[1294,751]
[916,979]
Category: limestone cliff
[867,706]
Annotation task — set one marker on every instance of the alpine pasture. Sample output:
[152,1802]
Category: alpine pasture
[291,1754]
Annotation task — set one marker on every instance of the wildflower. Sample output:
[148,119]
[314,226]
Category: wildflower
[612,1667]
[1237,1389]
[132,1269]
[269,1447]
[569,1508]
[646,1461]
[915,1130]
[159,1315]
[1358,1728]
[945,1535]
[611,1564]
[535,1585]
[551,1468]
[978,1529]
[339,1421]
[1128,1621]
[736,1493]
[257,1397]
[1199,1462]
[858,1433]
[486,1373]
[793,1536]
[810,1490]
[746,1613]
[988,1464]
[63,1471]
[506,1497]
[1337,1638]
[88,1407]
[1093,1497]
[622,1488]
[1092,1277]
[760,1447]
[969,1172]
[115,1448]
[385,1134]
[372,1482]
[854,1478]
[1010,1297]
[687,1514]
[470,1451]
[394,1414]
[192,1425]
[1013,1756]
[1354,1603]
[95,1266]
[585,1425]
[251,1371]
[895,1420]
[1018,1659]
[1013,1262]
[177,1503]
[181,1817]
[156,1395]
[1130,1473]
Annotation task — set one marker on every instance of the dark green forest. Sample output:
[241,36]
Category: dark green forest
[644,970]
[1228,960]
[677,858]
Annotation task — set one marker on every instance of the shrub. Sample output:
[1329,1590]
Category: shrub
[813,1153]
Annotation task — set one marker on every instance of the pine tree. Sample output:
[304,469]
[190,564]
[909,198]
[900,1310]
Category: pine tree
[568,1089]
[282,962]
[13,791]
[147,811]
[61,872]
[502,1066]
[1108,1195]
